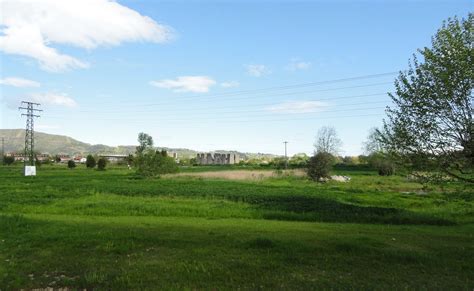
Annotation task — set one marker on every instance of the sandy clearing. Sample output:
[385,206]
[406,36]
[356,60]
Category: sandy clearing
[239,174]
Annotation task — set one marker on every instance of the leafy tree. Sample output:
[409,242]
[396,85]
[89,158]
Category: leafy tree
[90,161]
[101,163]
[320,165]
[154,164]
[373,144]
[379,157]
[71,164]
[57,158]
[299,160]
[151,163]
[327,141]
[430,124]
[279,163]
[8,160]
[145,142]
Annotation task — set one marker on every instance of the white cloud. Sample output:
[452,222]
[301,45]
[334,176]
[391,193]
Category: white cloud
[19,82]
[46,126]
[58,99]
[230,84]
[298,107]
[297,64]
[257,70]
[198,84]
[30,28]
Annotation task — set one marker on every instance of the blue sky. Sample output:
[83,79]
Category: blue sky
[234,75]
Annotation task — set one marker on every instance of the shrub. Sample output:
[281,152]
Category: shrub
[320,165]
[154,163]
[382,163]
[101,163]
[8,160]
[385,168]
[90,161]
[71,164]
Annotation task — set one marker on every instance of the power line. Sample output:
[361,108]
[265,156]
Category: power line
[212,97]
[194,109]
[276,88]
[224,119]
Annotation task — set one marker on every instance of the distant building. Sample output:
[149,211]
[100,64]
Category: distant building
[114,158]
[217,159]
[64,158]
[21,156]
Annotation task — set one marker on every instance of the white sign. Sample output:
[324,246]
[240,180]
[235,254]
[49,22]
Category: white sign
[30,170]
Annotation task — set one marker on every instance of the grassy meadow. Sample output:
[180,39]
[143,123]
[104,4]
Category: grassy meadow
[241,229]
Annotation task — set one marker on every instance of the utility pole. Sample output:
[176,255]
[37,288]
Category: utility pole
[29,158]
[286,156]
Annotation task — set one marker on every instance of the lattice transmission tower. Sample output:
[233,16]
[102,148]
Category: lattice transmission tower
[30,132]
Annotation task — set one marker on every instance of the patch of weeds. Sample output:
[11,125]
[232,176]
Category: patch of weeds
[260,243]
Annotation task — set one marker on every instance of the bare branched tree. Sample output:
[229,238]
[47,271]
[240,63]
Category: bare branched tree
[327,141]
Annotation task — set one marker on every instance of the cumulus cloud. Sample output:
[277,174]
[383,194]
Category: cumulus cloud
[257,70]
[57,99]
[298,107]
[297,64]
[197,84]
[19,82]
[48,98]
[30,28]
[230,84]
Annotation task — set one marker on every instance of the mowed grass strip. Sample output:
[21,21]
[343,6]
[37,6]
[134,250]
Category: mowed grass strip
[186,253]
[112,230]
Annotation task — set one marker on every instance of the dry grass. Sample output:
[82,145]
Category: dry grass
[240,174]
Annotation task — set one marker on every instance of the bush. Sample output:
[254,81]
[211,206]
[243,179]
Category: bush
[154,163]
[386,168]
[101,163]
[71,164]
[90,161]
[319,166]
[382,163]
[8,160]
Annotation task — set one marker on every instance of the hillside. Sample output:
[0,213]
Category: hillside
[61,144]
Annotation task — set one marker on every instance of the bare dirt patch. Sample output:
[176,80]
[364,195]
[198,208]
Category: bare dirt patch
[240,174]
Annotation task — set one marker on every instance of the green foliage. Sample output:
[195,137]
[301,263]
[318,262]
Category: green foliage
[90,161]
[8,160]
[71,164]
[299,161]
[381,162]
[431,122]
[57,158]
[101,163]
[386,168]
[279,163]
[155,163]
[145,142]
[320,165]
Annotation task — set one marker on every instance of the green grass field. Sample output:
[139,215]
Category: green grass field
[112,230]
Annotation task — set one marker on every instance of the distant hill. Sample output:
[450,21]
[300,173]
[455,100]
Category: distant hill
[61,144]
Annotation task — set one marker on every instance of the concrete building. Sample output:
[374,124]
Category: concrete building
[114,158]
[217,159]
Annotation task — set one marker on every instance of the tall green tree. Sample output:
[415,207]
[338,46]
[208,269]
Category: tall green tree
[430,125]
[145,142]
[90,161]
